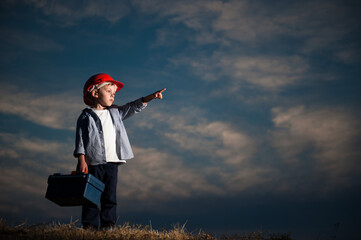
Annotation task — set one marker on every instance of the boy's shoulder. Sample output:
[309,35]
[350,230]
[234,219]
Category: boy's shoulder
[85,113]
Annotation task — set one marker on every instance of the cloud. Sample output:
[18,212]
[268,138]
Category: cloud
[156,175]
[26,164]
[190,131]
[214,140]
[22,190]
[324,25]
[348,54]
[58,111]
[322,139]
[255,45]
[262,72]
[222,144]
[219,151]
[14,179]
[189,156]
[71,12]
[37,154]
[212,21]
[316,25]
[223,157]
[319,23]
[30,41]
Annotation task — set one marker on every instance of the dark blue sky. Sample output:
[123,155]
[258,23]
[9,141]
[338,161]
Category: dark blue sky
[259,127]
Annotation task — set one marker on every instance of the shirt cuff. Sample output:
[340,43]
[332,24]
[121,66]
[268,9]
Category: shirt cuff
[141,104]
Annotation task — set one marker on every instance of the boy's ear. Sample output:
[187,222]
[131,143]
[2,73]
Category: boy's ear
[95,93]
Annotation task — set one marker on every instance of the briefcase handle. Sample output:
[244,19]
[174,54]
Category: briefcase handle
[76,172]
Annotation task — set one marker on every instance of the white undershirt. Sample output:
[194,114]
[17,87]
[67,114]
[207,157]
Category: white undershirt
[109,135]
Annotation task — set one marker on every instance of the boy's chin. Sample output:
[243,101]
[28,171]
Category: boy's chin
[106,105]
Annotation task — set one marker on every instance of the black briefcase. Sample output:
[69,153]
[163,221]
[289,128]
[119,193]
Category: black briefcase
[74,189]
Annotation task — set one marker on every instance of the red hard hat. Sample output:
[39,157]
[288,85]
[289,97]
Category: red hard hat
[95,80]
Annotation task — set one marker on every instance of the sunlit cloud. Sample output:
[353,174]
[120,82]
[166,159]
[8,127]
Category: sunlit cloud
[20,186]
[323,139]
[220,142]
[155,175]
[265,73]
[37,154]
[29,161]
[20,180]
[226,152]
[58,111]
[194,133]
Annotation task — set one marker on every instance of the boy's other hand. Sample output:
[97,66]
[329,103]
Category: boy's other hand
[82,166]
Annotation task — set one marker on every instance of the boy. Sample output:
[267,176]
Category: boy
[102,144]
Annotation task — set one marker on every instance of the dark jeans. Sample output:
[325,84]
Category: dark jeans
[91,214]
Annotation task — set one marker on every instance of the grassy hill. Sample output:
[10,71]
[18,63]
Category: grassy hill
[123,232]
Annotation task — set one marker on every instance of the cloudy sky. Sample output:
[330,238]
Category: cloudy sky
[258,129]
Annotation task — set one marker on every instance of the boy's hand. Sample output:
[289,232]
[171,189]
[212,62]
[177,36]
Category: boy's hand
[83,167]
[156,95]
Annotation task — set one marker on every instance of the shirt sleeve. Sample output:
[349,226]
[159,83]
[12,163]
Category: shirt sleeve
[79,136]
[131,108]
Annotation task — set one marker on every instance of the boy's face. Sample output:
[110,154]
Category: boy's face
[105,95]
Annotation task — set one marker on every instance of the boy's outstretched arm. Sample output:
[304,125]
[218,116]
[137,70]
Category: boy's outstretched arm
[156,95]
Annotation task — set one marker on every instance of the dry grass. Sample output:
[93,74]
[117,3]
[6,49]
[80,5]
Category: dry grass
[71,231]
[57,231]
